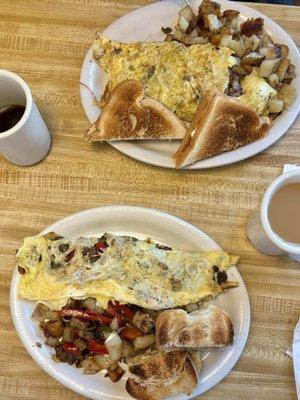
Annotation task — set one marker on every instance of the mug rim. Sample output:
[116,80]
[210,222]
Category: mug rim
[292,248]
[28,107]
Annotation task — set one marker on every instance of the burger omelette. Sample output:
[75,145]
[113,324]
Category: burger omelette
[119,267]
[172,73]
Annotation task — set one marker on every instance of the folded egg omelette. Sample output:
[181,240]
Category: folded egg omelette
[175,74]
[172,73]
[53,268]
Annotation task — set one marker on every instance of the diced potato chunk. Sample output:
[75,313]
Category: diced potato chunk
[238,47]
[283,66]
[226,40]
[271,52]
[268,67]
[287,93]
[213,23]
[143,342]
[275,106]
[273,80]
[253,58]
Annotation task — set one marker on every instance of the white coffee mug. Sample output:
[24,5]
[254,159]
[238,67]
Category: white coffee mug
[29,141]
[258,227]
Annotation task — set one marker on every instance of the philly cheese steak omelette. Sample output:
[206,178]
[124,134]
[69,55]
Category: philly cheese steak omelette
[110,303]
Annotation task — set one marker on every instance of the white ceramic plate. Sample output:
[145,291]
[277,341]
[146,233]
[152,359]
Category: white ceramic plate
[142,223]
[144,24]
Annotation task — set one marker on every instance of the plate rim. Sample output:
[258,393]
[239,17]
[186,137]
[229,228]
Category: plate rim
[225,158]
[39,359]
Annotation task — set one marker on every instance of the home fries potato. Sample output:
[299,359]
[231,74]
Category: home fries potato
[262,74]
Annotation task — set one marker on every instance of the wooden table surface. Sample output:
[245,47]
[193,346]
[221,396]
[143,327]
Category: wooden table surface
[45,42]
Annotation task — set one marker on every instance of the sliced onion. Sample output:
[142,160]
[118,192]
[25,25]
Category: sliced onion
[114,346]
[114,324]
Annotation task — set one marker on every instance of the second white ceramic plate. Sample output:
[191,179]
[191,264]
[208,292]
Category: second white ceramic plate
[142,223]
[144,24]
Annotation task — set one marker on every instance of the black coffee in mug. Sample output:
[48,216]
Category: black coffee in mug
[10,116]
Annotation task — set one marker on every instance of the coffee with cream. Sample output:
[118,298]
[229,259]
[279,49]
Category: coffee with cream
[284,212]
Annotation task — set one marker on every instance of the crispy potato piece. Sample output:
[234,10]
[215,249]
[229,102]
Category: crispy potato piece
[290,74]
[187,13]
[283,66]
[225,40]
[216,39]
[251,42]
[284,50]
[212,22]
[204,32]
[192,25]
[210,7]
[238,47]
[268,67]
[53,328]
[185,17]
[287,93]
[187,39]
[266,39]
[273,80]
[253,58]
[253,26]
[271,52]
[182,24]
[230,14]
[275,106]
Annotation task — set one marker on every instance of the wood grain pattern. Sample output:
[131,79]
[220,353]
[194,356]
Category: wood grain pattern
[45,41]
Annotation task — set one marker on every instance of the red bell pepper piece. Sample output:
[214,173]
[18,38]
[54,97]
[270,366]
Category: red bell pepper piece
[71,348]
[112,310]
[101,246]
[89,315]
[130,333]
[97,347]
[124,310]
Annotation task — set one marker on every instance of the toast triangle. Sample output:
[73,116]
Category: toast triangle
[130,116]
[221,123]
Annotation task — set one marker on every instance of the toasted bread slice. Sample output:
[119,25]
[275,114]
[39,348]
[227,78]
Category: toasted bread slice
[129,116]
[222,123]
[207,327]
[160,374]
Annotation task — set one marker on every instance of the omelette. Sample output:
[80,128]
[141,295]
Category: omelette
[172,73]
[256,92]
[53,268]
